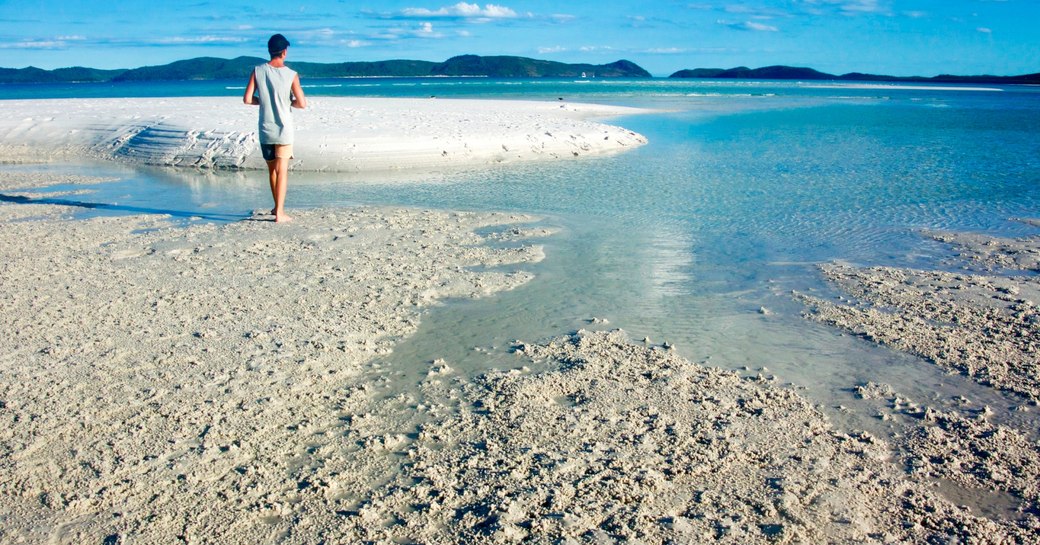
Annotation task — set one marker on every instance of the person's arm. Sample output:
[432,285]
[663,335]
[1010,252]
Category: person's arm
[248,97]
[299,101]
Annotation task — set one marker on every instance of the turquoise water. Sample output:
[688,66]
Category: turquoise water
[744,188]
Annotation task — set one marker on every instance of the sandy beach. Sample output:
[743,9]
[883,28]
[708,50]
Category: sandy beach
[148,369]
[163,382]
[335,134]
[206,384]
[539,273]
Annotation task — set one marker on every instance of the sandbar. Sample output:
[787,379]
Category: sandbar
[334,134]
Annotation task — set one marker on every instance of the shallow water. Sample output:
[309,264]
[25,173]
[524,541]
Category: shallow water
[698,238]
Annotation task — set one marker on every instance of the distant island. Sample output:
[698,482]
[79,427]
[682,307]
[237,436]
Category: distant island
[211,68]
[799,73]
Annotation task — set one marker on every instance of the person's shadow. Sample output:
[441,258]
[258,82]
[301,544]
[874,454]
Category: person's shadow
[22,199]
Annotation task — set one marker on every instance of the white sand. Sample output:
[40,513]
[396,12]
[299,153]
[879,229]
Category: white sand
[147,378]
[986,326]
[983,323]
[220,384]
[622,443]
[334,134]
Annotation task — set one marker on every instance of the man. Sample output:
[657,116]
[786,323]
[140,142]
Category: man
[277,90]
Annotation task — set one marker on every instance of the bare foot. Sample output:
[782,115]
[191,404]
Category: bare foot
[282,218]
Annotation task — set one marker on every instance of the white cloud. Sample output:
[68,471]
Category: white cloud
[748,25]
[64,42]
[751,25]
[35,44]
[866,6]
[852,7]
[57,42]
[355,43]
[423,30]
[638,21]
[985,30]
[469,13]
[553,49]
[464,11]
[666,50]
[317,33]
[178,40]
[759,12]
[491,10]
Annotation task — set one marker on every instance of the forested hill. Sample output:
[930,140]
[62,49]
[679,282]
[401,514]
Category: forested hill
[522,67]
[39,75]
[211,68]
[808,74]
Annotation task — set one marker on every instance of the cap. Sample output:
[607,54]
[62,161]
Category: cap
[277,44]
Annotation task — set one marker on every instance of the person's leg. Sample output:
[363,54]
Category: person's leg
[272,175]
[281,184]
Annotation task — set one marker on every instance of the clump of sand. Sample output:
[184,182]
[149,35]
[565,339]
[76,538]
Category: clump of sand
[963,446]
[984,326]
[994,253]
[623,443]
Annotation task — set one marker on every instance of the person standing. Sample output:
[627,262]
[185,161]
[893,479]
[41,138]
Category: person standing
[275,88]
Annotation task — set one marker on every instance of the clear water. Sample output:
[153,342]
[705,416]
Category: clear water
[744,188]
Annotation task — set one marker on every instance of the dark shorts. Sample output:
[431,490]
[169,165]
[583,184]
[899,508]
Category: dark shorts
[274,151]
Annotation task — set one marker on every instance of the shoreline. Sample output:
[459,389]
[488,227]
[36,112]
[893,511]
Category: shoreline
[223,382]
[335,134]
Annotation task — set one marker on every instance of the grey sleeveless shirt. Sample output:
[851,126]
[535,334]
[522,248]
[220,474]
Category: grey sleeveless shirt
[275,88]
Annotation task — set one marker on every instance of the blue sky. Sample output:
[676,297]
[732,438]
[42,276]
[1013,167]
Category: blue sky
[899,37]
